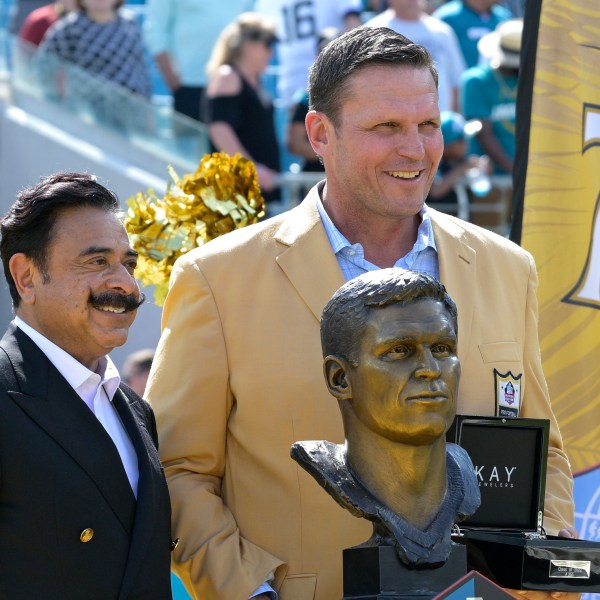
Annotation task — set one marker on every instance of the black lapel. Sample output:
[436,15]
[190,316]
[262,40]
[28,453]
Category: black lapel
[47,398]
[136,422]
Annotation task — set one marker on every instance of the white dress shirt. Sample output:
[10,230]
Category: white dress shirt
[97,390]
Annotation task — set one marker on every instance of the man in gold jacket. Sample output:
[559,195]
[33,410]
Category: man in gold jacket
[238,373]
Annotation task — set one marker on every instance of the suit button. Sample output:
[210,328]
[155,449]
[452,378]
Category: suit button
[86,535]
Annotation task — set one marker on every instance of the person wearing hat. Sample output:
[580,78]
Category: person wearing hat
[456,161]
[489,94]
[296,136]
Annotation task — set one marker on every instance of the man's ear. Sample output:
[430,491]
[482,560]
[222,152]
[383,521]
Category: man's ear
[336,376]
[22,270]
[319,130]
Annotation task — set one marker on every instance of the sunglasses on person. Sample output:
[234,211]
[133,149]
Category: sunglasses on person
[266,37]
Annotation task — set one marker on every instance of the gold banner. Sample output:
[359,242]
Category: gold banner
[561,219]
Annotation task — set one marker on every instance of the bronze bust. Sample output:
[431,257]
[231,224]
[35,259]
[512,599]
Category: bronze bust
[389,340]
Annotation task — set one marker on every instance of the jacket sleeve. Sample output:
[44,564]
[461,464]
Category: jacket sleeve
[146,412]
[190,394]
[558,505]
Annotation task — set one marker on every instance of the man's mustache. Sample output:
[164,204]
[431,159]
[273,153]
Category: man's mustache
[127,301]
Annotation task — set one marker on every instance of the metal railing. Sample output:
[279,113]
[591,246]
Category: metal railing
[154,127]
[295,185]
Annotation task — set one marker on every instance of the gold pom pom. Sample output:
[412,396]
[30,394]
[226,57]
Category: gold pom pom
[222,195]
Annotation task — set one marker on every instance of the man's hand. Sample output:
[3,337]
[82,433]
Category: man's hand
[569,532]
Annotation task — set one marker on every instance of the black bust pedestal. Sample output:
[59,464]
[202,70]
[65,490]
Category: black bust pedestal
[376,573]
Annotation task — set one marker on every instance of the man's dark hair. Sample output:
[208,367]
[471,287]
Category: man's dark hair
[345,316]
[28,227]
[328,81]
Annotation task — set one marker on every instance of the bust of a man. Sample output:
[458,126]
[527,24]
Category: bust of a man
[389,340]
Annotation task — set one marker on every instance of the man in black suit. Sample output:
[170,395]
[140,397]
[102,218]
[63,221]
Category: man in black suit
[84,508]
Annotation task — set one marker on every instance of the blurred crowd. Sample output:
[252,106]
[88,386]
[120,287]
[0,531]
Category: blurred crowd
[212,58]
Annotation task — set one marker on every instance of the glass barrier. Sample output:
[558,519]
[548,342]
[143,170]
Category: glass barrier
[152,126]
[176,139]
[4,41]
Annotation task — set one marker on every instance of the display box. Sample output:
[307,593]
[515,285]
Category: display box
[505,538]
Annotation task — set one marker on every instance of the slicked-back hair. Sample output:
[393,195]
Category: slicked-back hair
[345,316]
[329,77]
[28,227]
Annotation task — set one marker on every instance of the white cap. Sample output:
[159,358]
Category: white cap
[502,47]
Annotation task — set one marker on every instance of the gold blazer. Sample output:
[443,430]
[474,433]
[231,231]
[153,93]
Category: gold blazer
[238,378]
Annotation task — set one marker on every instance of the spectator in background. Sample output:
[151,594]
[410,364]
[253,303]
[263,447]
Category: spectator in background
[408,18]
[136,369]
[489,94]
[298,27]
[471,20]
[297,137]
[102,41]
[239,113]
[180,35]
[39,21]
[456,161]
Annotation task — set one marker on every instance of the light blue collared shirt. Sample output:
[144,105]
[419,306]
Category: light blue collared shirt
[423,256]
[265,588]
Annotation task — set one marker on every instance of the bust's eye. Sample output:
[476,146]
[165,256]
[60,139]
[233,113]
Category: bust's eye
[441,349]
[398,351]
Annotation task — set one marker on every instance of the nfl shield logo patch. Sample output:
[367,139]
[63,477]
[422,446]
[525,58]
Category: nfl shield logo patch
[508,393]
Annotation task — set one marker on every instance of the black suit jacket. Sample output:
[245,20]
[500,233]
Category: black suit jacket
[61,475]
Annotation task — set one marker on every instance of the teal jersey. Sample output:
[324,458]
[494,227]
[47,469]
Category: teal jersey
[470,26]
[489,95]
